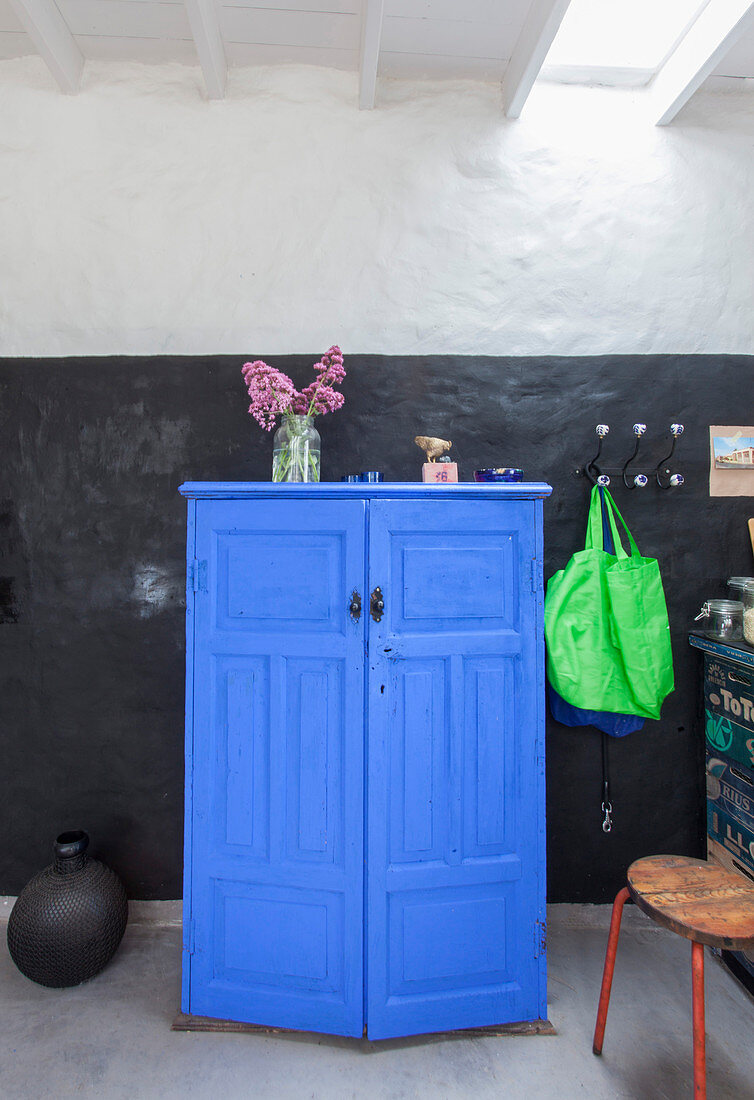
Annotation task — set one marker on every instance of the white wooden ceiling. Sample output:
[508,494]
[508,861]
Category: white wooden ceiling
[500,40]
[459,38]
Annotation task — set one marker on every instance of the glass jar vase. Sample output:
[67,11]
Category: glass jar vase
[295,454]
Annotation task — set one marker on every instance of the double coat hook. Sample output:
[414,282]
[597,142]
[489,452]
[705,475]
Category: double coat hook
[639,480]
[675,480]
[591,469]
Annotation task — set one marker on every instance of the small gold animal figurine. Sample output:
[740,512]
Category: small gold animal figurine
[432,446]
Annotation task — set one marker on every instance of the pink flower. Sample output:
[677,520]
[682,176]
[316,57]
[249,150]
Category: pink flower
[330,367]
[322,399]
[320,395]
[273,394]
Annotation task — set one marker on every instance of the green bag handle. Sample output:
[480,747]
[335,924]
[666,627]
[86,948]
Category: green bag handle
[594,530]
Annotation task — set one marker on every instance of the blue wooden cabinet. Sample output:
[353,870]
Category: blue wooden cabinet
[365,787]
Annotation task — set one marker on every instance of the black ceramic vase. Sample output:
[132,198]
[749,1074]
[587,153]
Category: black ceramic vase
[69,919]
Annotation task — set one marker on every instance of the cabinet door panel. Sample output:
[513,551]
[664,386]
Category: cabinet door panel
[455,881]
[276,827]
[416,761]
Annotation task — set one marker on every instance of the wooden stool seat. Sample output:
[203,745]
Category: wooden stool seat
[697,899]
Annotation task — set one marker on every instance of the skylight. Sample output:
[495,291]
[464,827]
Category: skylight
[628,37]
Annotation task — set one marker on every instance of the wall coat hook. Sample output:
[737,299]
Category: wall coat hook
[675,480]
[639,480]
[591,469]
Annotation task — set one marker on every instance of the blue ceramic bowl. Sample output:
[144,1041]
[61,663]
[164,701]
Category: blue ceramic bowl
[502,473]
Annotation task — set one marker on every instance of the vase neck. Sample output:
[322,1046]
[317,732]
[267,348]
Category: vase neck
[70,851]
[299,420]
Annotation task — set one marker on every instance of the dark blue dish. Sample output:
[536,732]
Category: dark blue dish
[503,473]
[370,476]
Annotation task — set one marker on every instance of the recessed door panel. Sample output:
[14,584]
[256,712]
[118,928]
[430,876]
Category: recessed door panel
[314,760]
[491,688]
[417,771]
[444,578]
[294,580]
[241,791]
[270,938]
[418,919]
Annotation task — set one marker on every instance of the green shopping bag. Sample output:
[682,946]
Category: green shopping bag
[606,625]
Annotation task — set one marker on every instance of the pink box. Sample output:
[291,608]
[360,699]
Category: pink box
[440,473]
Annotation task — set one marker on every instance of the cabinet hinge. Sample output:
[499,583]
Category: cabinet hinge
[540,939]
[198,576]
[536,577]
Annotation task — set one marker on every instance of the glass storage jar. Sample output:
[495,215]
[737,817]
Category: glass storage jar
[736,585]
[724,619]
[748,602]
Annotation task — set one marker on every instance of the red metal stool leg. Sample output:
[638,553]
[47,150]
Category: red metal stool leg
[607,975]
[697,1001]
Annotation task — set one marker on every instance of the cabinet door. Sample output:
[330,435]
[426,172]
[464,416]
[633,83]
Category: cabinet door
[275,836]
[455,767]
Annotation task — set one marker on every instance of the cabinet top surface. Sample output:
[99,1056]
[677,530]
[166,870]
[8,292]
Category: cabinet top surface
[237,490]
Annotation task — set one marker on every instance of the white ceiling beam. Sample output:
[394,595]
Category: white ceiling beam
[371,36]
[698,54]
[539,30]
[205,27]
[54,42]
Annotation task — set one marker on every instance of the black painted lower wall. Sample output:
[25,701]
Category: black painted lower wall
[92,537]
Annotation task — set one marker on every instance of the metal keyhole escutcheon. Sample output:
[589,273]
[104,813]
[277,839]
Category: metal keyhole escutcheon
[376,605]
[355,607]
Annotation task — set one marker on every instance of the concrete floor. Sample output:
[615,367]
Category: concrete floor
[111,1037]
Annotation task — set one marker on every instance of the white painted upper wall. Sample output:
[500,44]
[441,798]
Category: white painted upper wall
[139,218]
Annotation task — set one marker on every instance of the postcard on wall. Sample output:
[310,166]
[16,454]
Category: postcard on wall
[731,461]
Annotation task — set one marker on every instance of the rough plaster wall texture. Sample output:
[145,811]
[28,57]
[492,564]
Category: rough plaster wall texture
[92,574]
[138,217]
